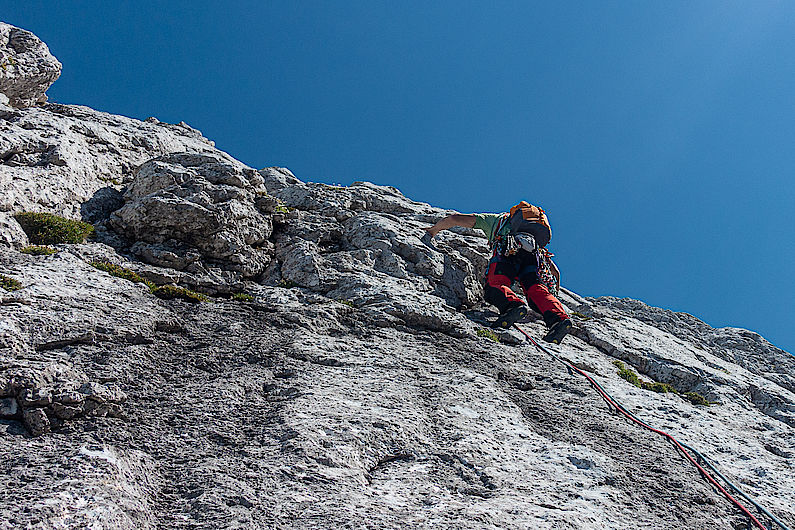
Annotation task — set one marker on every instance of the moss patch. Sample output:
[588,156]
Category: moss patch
[346,302]
[281,207]
[287,284]
[120,272]
[242,297]
[660,388]
[38,250]
[9,284]
[170,292]
[629,375]
[697,399]
[488,334]
[49,229]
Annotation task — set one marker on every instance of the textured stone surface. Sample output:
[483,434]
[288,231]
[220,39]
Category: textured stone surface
[362,244]
[9,408]
[11,234]
[27,68]
[354,390]
[36,421]
[195,211]
[62,158]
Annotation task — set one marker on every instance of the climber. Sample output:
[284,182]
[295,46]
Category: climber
[517,238]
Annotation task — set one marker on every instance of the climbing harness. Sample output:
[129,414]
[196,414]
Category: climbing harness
[681,446]
[545,271]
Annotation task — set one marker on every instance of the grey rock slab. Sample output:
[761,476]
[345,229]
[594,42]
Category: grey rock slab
[102,393]
[69,298]
[66,412]
[11,234]
[63,158]
[27,68]
[35,397]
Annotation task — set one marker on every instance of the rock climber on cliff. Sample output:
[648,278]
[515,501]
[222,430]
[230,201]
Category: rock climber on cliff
[518,239]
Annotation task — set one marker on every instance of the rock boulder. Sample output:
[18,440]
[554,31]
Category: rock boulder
[27,68]
[198,211]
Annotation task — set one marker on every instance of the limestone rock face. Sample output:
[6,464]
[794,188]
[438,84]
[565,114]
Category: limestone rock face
[189,211]
[11,234]
[27,68]
[56,158]
[364,244]
[355,384]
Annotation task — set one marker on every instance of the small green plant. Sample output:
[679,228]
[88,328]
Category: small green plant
[697,399]
[120,272]
[287,284]
[9,284]
[488,334]
[49,229]
[242,297]
[110,180]
[38,250]
[581,316]
[346,302]
[627,374]
[281,207]
[660,388]
[169,292]
[6,62]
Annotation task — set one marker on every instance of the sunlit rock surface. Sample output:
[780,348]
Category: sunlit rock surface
[27,68]
[355,386]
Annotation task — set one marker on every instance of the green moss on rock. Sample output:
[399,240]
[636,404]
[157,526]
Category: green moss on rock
[49,229]
[627,374]
[9,284]
[242,297]
[38,250]
[660,388]
[697,399]
[120,272]
[170,292]
[488,334]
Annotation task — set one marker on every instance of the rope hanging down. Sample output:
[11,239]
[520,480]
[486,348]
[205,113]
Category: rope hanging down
[619,408]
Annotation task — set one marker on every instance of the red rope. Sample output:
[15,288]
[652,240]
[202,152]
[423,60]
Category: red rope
[619,408]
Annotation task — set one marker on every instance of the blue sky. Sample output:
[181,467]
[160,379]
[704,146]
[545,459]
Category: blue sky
[657,135]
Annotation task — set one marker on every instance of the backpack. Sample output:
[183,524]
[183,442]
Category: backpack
[525,217]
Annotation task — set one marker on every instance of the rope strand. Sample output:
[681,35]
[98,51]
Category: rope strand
[681,447]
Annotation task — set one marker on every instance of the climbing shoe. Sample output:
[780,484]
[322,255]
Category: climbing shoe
[511,316]
[558,331]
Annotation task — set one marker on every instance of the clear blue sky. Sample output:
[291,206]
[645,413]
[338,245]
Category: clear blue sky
[658,135]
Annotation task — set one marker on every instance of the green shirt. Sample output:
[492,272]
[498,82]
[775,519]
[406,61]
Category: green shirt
[488,222]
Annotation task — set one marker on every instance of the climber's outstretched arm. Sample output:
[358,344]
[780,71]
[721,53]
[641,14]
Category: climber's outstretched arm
[466,220]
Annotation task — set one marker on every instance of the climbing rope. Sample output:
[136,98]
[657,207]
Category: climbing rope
[619,408]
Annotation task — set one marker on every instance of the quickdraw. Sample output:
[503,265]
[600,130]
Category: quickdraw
[545,271]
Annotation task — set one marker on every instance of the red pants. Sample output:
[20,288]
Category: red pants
[524,267]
